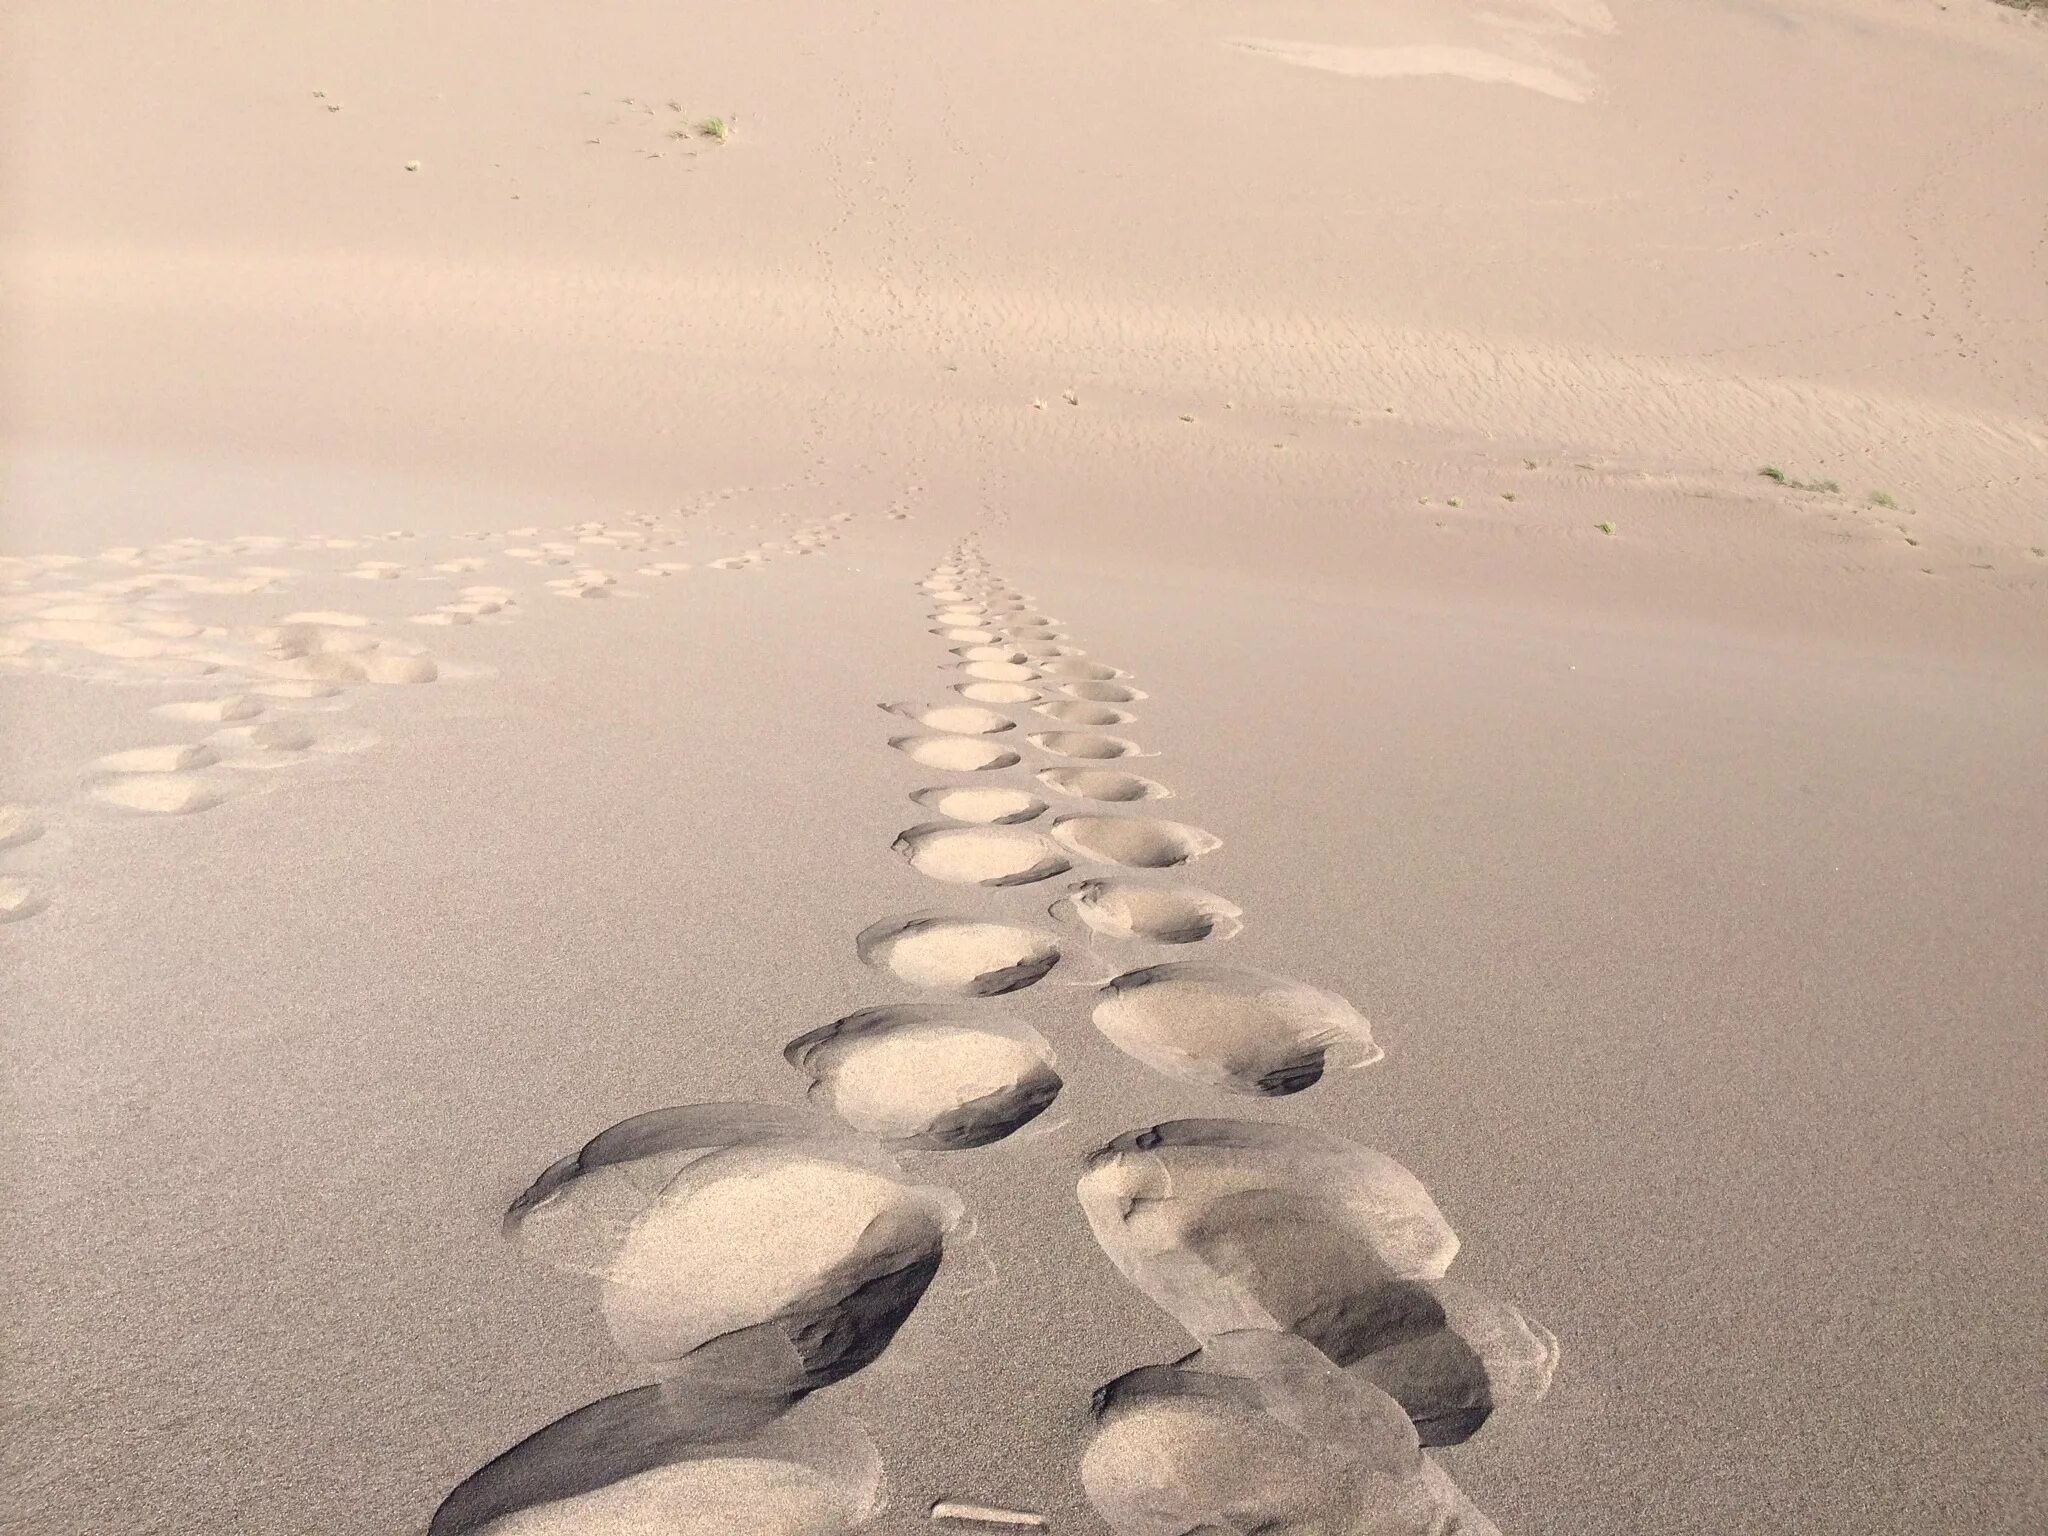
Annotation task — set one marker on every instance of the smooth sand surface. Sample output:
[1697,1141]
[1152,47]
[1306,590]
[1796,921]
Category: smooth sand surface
[517,609]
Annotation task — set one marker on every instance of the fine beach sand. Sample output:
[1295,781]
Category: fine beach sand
[949,768]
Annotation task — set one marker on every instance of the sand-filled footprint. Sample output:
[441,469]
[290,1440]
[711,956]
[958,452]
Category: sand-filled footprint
[1105,784]
[682,1458]
[1240,1031]
[956,719]
[1077,668]
[997,693]
[1234,1224]
[980,855]
[19,826]
[19,899]
[957,954]
[178,757]
[999,671]
[1078,712]
[955,754]
[1174,914]
[157,794]
[940,1078]
[1103,693]
[1136,842]
[1090,745]
[1256,1433]
[988,806]
[742,1237]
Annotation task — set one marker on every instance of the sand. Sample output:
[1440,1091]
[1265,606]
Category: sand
[853,647]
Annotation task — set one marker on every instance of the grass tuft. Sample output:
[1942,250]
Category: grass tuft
[715,128]
[1605,527]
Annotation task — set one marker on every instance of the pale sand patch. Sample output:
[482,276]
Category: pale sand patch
[1416,61]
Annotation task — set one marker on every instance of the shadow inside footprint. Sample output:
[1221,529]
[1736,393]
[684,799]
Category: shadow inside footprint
[686,1457]
[933,1077]
[1242,1031]
[741,1237]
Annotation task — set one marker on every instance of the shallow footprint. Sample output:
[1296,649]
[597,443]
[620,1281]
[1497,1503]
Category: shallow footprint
[957,719]
[741,1237]
[683,1458]
[955,954]
[997,693]
[1108,784]
[1235,1224]
[955,754]
[1124,909]
[19,899]
[1257,1433]
[999,671]
[980,855]
[20,825]
[1080,713]
[933,1077]
[1104,693]
[1238,1030]
[1086,671]
[973,803]
[1136,842]
[158,794]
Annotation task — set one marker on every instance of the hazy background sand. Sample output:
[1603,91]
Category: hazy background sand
[1690,872]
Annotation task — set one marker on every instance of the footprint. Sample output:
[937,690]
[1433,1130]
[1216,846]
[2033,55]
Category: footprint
[955,754]
[935,1078]
[1085,744]
[682,1458]
[997,693]
[1136,842]
[19,899]
[234,706]
[1000,672]
[741,1240]
[1007,653]
[959,719]
[302,689]
[19,825]
[1102,784]
[1233,1224]
[1124,909]
[956,954]
[157,794]
[980,855]
[988,806]
[1080,713]
[970,634]
[1257,1433]
[176,758]
[1086,671]
[1240,1031]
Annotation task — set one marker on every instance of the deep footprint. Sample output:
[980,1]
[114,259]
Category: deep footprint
[932,1077]
[1238,1030]
[788,1256]
[1105,784]
[955,954]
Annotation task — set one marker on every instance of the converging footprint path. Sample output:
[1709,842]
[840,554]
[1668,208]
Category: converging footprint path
[747,1256]
[1310,1272]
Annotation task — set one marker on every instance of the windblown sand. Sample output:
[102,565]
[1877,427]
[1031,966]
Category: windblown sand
[1101,548]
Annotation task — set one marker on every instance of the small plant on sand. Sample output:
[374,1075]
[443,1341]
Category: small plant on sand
[715,128]
[1455,501]
[1882,499]
[1772,472]
[1829,487]
[1605,527]
[1507,495]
